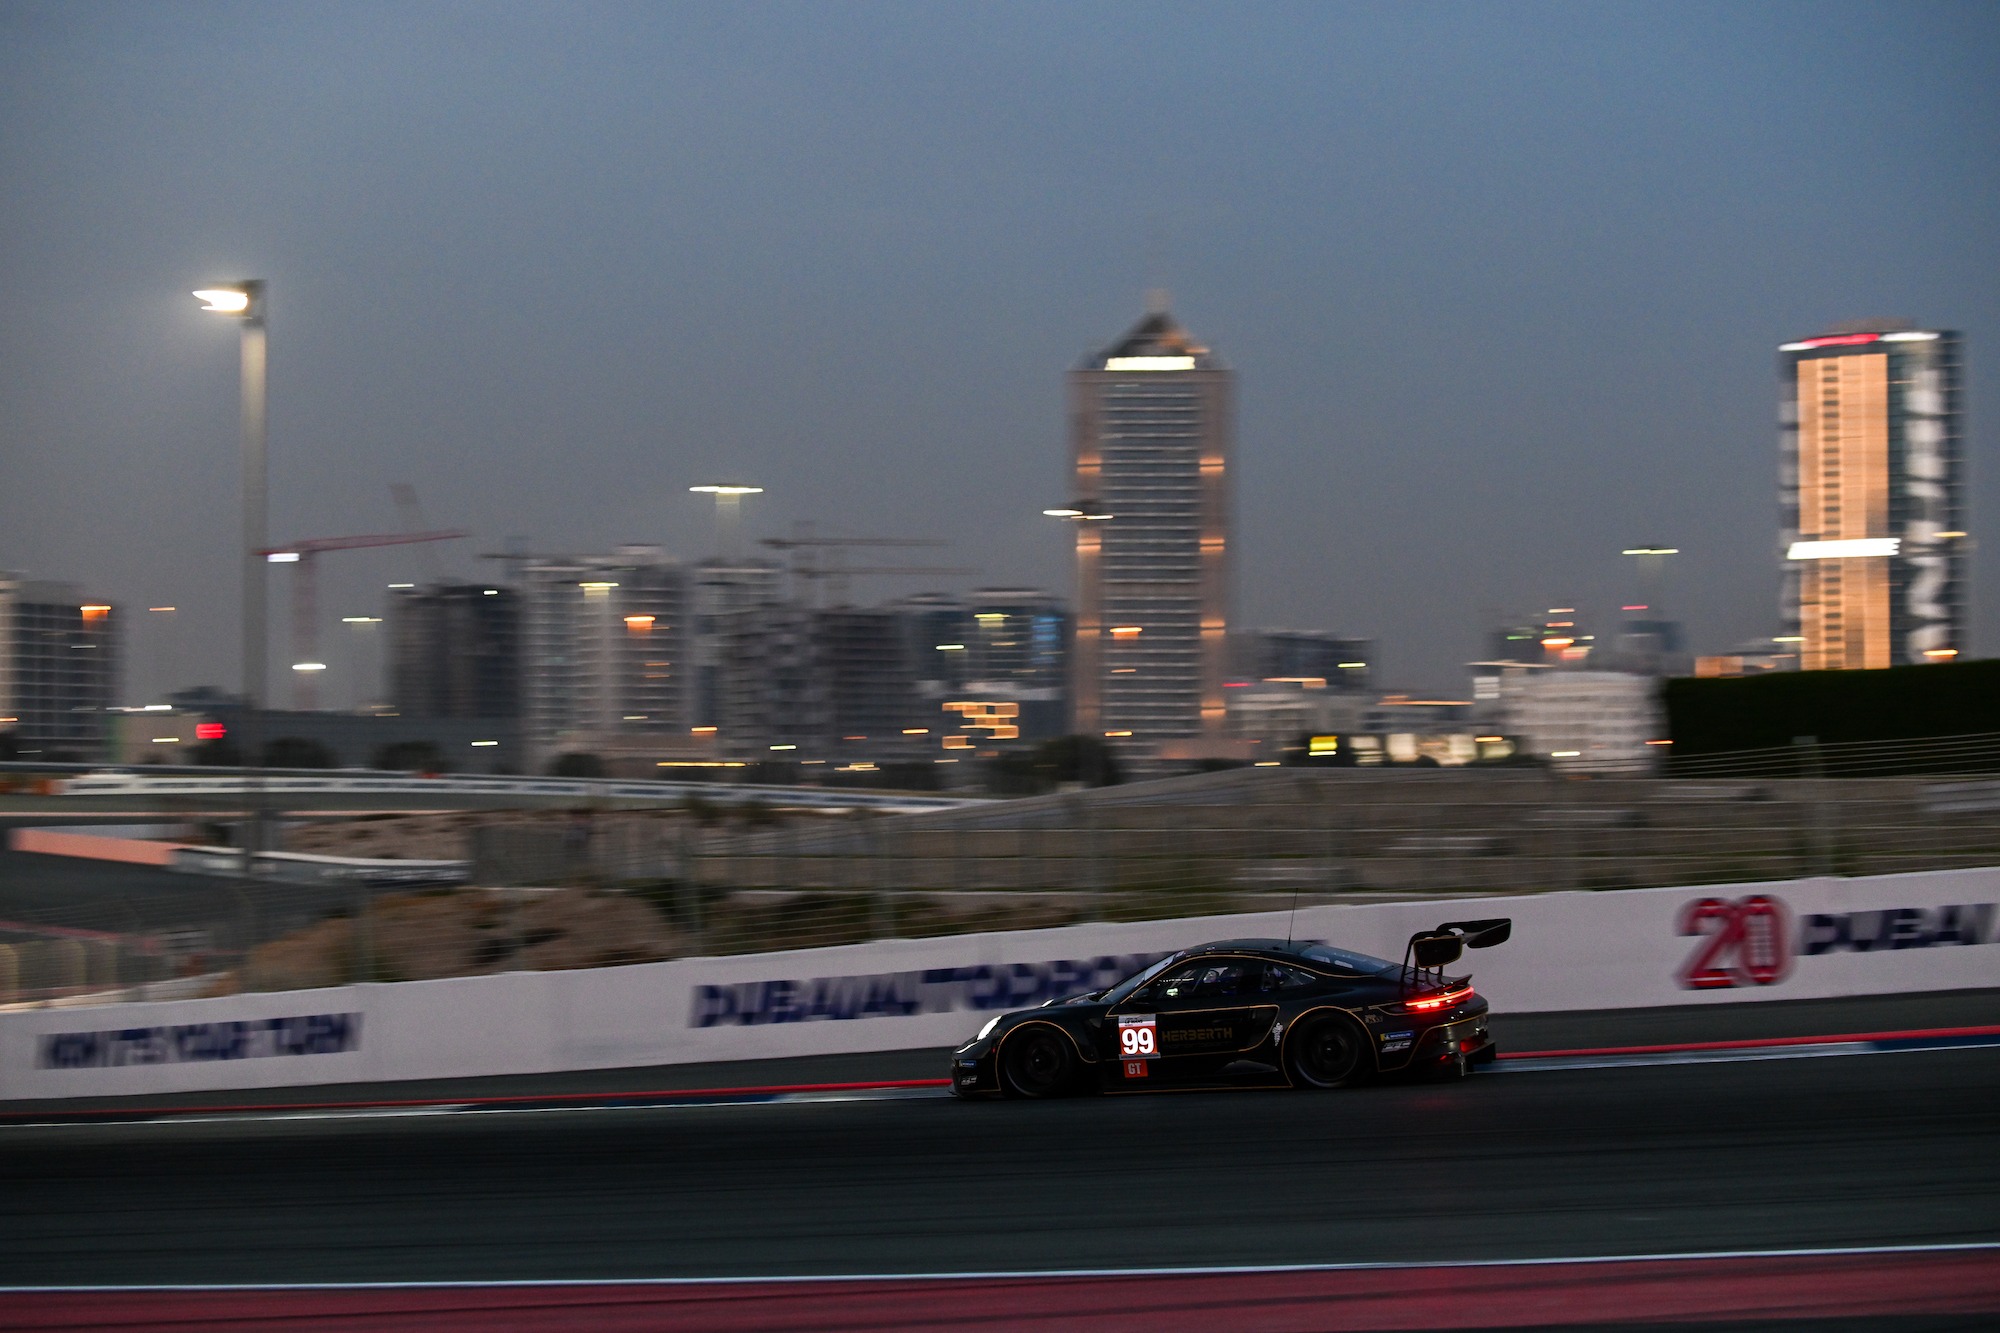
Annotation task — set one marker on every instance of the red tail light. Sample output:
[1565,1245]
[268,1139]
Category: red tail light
[1434,1002]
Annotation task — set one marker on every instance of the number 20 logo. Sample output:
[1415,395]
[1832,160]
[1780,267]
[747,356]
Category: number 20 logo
[1137,1039]
[1744,943]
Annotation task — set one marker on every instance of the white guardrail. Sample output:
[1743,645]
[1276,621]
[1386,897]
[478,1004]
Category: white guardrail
[561,789]
[1797,939]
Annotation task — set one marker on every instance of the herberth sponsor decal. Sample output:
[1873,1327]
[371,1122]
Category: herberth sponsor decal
[936,990]
[193,1043]
[1752,941]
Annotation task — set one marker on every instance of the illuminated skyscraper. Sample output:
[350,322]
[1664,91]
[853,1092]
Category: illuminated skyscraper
[1150,425]
[1870,490]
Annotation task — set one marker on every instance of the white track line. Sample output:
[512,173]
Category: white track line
[999,1275]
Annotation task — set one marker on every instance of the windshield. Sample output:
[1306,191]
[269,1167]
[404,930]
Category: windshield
[1132,983]
[1346,960]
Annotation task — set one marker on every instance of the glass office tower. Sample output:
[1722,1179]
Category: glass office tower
[1871,497]
[1150,426]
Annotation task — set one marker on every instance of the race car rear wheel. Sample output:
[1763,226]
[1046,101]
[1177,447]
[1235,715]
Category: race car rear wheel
[1325,1051]
[1036,1062]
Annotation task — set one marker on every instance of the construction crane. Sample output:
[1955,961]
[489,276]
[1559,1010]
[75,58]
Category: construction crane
[807,570]
[306,665]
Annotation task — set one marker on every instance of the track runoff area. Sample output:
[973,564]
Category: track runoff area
[1846,1179]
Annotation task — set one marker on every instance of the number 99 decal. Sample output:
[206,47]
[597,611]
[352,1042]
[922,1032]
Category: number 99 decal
[1138,1037]
[1745,943]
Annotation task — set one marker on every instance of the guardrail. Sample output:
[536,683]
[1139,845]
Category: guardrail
[584,790]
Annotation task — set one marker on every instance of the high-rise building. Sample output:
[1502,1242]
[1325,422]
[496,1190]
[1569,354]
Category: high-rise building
[456,651]
[58,670]
[1151,433]
[725,592]
[1339,662]
[603,654]
[1870,490]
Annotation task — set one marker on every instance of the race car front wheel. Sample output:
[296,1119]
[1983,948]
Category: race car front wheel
[1325,1051]
[1036,1062]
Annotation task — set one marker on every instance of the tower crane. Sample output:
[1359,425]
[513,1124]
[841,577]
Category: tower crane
[305,597]
[811,571]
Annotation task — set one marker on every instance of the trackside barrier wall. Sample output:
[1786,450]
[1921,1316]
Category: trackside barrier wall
[1796,939]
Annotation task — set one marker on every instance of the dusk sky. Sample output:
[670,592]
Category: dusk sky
[1502,284]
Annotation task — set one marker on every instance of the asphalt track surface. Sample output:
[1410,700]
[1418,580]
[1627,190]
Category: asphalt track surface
[1768,1154]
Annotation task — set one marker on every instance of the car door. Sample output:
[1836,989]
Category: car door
[1197,1019]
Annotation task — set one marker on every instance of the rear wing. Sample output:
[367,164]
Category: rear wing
[1435,950]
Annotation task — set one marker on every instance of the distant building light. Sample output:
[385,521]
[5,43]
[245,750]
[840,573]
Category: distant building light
[1836,340]
[1557,643]
[1350,666]
[702,731]
[397,586]
[1941,536]
[361,620]
[1790,638]
[1659,742]
[1940,652]
[483,744]
[492,592]
[916,731]
[638,624]
[1061,513]
[1126,631]
[784,747]
[308,666]
[170,608]
[633,717]
[597,586]
[1651,550]
[1844,550]
[1269,763]
[283,557]
[1118,733]
[1001,615]
[1635,608]
[1562,610]
[951,647]
[1488,740]
[727,490]
[157,708]
[166,740]
[699,763]
[1121,363]
[1565,754]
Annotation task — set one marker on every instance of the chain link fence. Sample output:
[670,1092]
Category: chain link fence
[583,887]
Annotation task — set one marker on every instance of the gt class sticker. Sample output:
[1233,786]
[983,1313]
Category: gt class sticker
[1138,1042]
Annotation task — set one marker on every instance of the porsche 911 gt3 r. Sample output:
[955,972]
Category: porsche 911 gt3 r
[1246,1013]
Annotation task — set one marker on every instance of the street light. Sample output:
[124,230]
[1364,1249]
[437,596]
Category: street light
[728,511]
[244,301]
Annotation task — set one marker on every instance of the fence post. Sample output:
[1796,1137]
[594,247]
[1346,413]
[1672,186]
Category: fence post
[1821,831]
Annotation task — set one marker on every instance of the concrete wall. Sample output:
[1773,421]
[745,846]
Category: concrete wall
[1717,945]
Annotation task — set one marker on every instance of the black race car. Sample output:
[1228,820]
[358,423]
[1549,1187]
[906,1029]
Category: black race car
[1246,1013]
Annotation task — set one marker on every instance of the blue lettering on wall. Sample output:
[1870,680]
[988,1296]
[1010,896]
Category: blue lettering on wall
[1896,928]
[936,990]
[190,1043]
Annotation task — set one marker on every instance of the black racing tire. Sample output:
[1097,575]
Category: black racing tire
[1326,1051]
[1037,1061]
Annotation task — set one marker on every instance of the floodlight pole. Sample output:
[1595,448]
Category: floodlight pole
[245,301]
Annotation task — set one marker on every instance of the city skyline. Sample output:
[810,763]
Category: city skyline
[1501,289]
